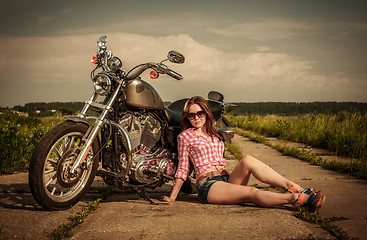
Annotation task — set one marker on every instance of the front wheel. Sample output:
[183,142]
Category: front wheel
[50,180]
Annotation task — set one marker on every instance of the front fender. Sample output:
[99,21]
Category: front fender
[78,119]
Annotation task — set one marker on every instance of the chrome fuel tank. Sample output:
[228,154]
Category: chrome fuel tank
[142,95]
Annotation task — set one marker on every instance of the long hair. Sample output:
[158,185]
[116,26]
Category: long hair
[208,127]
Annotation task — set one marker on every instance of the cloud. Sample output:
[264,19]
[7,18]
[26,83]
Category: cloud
[45,63]
[45,19]
[68,11]
[266,29]
[263,29]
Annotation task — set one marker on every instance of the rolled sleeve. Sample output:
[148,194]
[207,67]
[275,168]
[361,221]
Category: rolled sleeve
[183,158]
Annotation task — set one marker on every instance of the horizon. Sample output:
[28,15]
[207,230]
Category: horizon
[175,100]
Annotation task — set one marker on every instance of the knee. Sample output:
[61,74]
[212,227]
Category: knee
[247,160]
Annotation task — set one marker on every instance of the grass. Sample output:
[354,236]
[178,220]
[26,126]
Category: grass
[18,138]
[344,133]
[355,168]
[323,222]
[64,230]
[234,149]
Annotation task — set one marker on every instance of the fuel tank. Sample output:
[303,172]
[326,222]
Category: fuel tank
[142,95]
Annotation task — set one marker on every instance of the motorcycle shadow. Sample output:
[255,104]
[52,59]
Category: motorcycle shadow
[20,200]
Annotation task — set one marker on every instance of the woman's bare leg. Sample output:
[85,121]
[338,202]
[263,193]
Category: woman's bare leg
[250,165]
[228,193]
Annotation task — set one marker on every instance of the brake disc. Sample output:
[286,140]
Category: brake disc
[64,176]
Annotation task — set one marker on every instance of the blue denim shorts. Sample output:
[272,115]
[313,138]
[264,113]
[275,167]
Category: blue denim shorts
[205,184]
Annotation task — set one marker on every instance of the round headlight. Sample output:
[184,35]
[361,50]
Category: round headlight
[102,84]
[114,64]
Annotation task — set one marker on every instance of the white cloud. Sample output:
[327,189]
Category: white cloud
[266,28]
[52,61]
[263,29]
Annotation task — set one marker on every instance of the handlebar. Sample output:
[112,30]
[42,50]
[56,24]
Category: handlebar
[160,68]
[104,55]
[174,74]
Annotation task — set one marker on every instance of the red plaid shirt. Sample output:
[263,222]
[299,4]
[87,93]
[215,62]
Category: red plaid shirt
[204,153]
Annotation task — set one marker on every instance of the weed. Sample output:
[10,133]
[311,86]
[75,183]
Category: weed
[64,230]
[234,149]
[344,133]
[355,168]
[324,222]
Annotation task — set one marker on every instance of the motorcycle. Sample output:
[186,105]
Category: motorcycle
[124,133]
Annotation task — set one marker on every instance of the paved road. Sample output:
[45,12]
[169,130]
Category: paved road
[126,216]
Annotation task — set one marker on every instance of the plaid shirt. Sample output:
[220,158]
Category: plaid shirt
[203,153]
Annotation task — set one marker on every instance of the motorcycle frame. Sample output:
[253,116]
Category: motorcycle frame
[99,122]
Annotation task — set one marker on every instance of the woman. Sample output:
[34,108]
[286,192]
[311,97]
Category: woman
[202,145]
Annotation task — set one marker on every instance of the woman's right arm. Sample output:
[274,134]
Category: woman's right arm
[182,169]
[175,191]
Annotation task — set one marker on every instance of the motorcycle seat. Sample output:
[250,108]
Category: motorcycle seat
[174,111]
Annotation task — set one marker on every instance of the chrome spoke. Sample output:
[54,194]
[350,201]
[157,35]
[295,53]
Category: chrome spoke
[53,161]
[58,153]
[50,181]
[53,191]
[50,171]
[70,143]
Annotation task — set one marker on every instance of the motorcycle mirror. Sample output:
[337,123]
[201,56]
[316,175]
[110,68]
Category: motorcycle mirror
[175,57]
[216,96]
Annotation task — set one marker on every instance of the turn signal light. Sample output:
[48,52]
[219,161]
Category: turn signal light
[153,74]
[94,60]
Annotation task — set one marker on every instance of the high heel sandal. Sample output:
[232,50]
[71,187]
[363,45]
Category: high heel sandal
[314,202]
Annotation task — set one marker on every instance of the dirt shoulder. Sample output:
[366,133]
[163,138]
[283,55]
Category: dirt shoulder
[126,216]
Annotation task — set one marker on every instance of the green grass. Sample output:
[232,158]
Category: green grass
[65,230]
[355,168]
[234,149]
[344,133]
[324,222]
[18,138]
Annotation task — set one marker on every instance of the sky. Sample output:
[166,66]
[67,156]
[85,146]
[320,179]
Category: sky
[251,51]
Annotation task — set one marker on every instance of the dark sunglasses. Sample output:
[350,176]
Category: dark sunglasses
[200,114]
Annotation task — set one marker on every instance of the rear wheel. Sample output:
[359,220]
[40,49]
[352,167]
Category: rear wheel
[52,184]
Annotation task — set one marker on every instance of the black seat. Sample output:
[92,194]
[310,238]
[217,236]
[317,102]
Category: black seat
[174,111]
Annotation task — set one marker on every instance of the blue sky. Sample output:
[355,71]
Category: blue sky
[250,51]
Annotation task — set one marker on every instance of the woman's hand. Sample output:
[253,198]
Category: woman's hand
[167,199]
[175,191]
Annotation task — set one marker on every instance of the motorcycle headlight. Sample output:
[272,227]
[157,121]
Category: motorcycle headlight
[102,84]
[114,64]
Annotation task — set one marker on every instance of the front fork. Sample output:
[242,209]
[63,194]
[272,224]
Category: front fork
[97,125]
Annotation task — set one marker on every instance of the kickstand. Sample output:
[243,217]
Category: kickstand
[142,193]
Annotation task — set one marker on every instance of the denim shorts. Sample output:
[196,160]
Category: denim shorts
[205,184]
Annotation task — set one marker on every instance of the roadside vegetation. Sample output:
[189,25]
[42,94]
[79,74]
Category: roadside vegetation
[344,134]
[18,137]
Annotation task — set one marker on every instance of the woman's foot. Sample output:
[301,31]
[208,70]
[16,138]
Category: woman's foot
[295,189]
[310,200]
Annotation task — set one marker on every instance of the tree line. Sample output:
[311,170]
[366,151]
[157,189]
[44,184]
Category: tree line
[294,108]
[42,109]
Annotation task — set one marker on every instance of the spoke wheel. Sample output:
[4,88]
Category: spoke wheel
[52,184]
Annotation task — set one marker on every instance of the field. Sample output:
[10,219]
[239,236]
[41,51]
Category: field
[18,137]
[344,133]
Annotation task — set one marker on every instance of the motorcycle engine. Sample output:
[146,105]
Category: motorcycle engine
[144,132]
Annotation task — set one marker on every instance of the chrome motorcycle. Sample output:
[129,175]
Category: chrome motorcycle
[124,133]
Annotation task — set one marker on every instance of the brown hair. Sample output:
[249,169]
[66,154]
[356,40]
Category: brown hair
[208,127]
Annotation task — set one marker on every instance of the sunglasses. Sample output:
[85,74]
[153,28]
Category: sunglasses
[200,114]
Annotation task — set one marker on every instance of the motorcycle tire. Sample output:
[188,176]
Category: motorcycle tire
[51,184]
